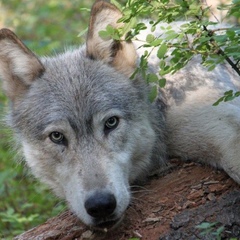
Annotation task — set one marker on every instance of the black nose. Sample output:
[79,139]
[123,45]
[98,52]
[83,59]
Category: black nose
[100,204]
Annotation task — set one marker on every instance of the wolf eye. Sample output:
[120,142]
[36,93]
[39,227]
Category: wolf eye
[111,123]
[57,137]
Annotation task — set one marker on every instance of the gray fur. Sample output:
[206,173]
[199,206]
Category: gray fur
[76,92]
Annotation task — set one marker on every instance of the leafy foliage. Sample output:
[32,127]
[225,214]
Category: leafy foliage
[228,96]
[24,202]
[175,48]
[45,25]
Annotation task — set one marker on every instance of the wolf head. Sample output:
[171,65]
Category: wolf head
[86,129]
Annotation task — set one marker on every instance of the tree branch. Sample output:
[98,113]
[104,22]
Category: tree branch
[221,52]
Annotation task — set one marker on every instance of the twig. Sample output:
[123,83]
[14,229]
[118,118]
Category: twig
[221,52]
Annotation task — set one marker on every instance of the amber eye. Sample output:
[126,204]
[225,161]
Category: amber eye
[57,137]
[111,123]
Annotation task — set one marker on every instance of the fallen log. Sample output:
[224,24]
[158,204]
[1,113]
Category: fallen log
[190,202]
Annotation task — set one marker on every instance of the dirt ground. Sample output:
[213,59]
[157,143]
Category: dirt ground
[166,208]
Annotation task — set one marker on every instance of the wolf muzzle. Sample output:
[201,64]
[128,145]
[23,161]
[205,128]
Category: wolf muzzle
[100,205]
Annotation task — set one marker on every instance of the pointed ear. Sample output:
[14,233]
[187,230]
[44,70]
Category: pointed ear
[18,65]
[119,54]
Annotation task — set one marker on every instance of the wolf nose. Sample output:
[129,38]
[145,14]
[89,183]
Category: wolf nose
[100,204]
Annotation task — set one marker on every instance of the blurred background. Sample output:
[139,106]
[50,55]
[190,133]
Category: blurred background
[46,27]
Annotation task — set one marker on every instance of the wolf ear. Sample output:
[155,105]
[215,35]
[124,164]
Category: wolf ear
[119,54]
[18,65]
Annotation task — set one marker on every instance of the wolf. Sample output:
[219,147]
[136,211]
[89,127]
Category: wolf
[89,131]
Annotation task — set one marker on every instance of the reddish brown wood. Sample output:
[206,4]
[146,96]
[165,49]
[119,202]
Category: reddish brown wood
[168,207]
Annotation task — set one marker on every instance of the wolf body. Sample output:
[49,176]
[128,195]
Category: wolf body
[89,131]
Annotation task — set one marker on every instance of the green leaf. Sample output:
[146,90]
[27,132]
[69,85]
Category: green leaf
[104,35]
[153,28]
[156,42]
[85,9]
[237,94]
[228,96]
[170,35]
[162,64]
[231,34]
[167,69]
[150,38]
[220,38]
[227,93]
[153,93]
[82,32]
[110,33]
[210,68]
[152,78]
[162,82]
[162,51]
[128,26]
[218,101]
